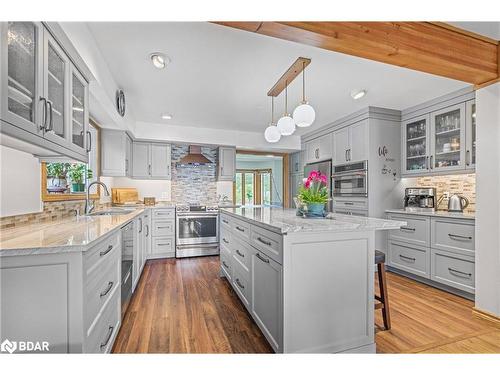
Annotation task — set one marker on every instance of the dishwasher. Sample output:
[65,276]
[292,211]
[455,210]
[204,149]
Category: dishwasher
[127,264]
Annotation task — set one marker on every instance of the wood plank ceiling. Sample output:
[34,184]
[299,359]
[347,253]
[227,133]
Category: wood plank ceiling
[424,46]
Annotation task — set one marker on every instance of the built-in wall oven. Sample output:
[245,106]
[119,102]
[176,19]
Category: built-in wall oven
[197,231]
[350,180]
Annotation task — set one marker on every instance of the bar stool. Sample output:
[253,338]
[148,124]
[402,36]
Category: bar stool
[383,299]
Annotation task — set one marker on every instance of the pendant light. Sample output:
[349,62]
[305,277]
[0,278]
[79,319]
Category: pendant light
[304,114]
[286,125]
[272,134]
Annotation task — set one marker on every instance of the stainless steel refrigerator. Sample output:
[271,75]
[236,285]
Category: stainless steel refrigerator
[325,167]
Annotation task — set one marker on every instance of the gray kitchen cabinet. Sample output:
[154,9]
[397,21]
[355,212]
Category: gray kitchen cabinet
[319,149]
[350,144]
[266,301]
[470,134]
[113,152]
[128,156]
[151,160]
[161,233]
[416,145]
[226,164]
[138,251]
[44,95]
[296,163]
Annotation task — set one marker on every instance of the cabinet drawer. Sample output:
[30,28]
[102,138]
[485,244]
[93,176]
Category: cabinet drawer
[242,254]
[454,270]
[99,289]
[453,235]
[162,245]
[163,228]
[268,242]
[166,213]
[226,263]
[416,231]
[241,284]
[355,204]
[240,228]
[100,253]
[410,258]
[225,237]
[225,222]
[103,335]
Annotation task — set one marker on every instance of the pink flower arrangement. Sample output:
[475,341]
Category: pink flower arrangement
[314,188]
[315,177]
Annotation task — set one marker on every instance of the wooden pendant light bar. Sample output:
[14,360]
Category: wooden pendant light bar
[423,46]
[293,71]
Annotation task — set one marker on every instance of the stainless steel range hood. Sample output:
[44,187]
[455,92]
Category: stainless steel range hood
[194,157]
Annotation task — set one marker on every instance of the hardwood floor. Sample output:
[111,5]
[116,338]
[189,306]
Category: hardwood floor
[183,306]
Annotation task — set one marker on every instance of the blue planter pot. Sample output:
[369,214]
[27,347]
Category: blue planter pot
[315,209]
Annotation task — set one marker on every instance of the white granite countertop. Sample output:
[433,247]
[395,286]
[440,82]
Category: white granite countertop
[285,220]
[453,215]
[74,234]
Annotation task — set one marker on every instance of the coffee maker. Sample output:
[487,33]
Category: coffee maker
[420,199]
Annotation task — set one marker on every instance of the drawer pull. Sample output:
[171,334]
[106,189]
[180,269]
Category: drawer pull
[110,333]
[240,284]
[164,244]
[240,229]
[260,239]
[225,264]
[110,285]
[239,253]
[261,258]
[225,241]
[225,221]
[167,227]
[349,203]
[460,273]
[459,237]
[407,258]
[102,253]
[408,229]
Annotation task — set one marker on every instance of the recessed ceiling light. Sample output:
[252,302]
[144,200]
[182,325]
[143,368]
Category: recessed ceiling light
[358,94]
[166,116]
[159,60]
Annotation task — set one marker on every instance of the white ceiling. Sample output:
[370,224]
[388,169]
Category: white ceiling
[219,77]
[489,29]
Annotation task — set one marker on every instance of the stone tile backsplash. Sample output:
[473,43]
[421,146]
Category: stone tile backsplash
[194,184]
[463,184]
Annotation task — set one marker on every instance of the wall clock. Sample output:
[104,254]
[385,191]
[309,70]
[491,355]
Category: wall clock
[120,102]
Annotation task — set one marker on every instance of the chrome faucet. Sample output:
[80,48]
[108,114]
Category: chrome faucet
[89,206]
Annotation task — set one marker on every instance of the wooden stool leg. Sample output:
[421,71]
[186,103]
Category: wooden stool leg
[383,295]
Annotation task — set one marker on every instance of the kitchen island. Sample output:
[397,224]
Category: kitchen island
[308,283]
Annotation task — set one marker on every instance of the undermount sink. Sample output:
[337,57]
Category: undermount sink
[114,211]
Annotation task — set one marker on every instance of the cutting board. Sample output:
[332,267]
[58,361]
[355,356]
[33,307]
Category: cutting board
[124,195]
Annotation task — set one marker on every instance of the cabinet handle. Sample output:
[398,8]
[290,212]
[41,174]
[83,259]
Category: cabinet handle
[349,203]
[164,244]
[149,169]
[239,253]
[147,230]
[89,146]
[467,158]
[167,227]
[102,253]
[225,221]
[110,285]
[459,237]
[431,159]
[240,229]
[426,162]
[51,122]
[240,284]
[110,333]
[261,258]
[408,229]
[224,240]
[460,273]
[407,258]
[44,117]
[140,220]
[126,166]
[260,239]
[225,264]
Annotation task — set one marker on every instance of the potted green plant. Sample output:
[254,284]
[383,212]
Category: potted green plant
[57,173]
[314,194]
[76,173]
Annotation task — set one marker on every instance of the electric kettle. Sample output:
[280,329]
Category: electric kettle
[457,203]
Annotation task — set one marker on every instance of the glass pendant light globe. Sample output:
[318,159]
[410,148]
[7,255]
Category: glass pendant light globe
[286,125]
[304,115]
[272,134]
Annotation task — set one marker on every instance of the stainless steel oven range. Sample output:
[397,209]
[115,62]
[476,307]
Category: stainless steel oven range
[350,180]
[197,231]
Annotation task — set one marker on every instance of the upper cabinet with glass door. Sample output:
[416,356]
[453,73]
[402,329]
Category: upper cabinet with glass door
[448,138]
[416,145]
[42,90]
[470,152]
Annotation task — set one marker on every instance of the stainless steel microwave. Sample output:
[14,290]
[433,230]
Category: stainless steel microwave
[350,180]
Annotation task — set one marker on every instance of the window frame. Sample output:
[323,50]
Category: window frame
[257,185]
[46,197]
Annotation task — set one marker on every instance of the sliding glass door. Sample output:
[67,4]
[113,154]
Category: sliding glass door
[253,187]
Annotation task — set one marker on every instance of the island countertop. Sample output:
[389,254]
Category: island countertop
[66,235]
[285,220]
